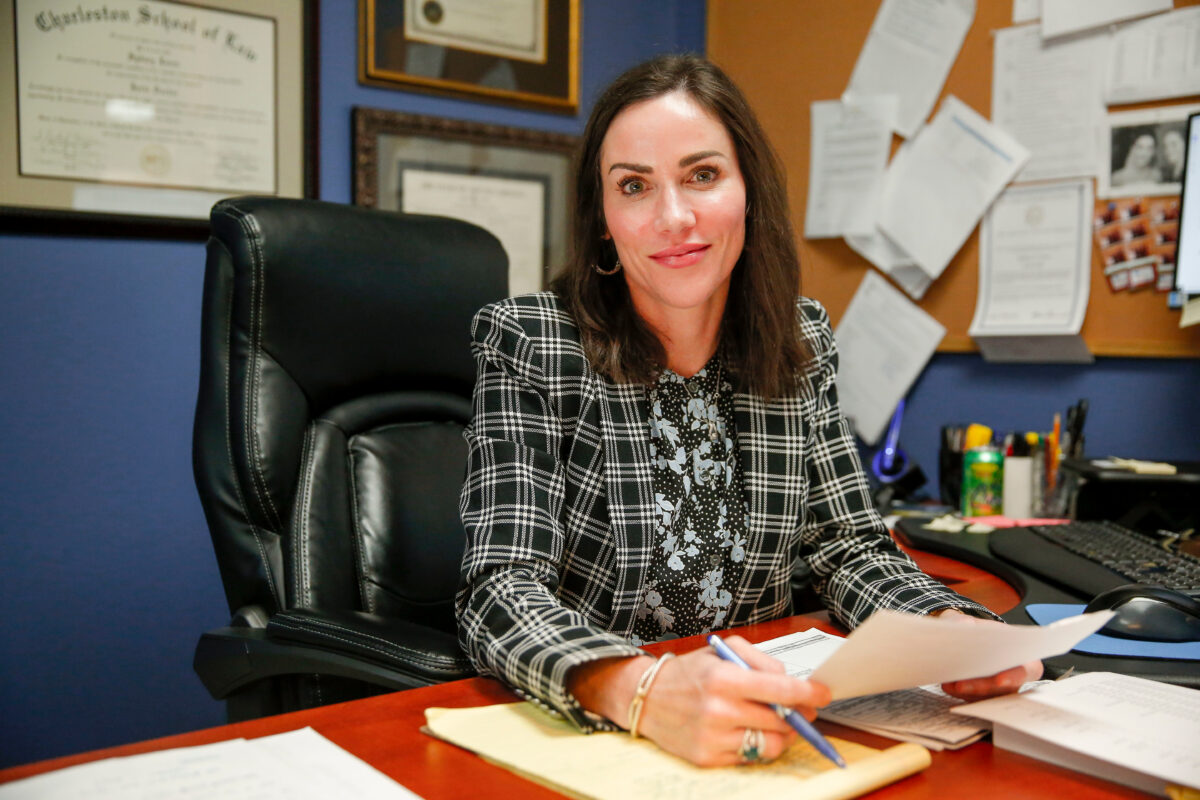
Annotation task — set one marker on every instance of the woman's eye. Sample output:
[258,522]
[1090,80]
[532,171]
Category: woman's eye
[631,186]
[705,175]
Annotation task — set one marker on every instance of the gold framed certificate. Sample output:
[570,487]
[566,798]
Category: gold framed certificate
[518,52]
[138,115]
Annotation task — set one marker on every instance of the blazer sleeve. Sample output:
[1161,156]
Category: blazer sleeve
[511,623]
[856,567]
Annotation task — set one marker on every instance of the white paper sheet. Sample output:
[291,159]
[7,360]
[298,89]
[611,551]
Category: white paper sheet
[298,765]
[918,715]
[1048,95]
[1035,256]
[886,255]
[884,341]
[1132,730]
[952,170]
[892,261]
[850,145]
[1026,11]
[908,53]
[1155,58]
[893,651]
[1068,16]
[513,210]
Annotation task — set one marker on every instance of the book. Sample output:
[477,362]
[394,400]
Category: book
[615,766]
[1129,730]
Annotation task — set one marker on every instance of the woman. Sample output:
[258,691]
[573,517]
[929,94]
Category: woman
[657,441]
[1139,162]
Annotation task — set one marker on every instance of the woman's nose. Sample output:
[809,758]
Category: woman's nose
[674,211]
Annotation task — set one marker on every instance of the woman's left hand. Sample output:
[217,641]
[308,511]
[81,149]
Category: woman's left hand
[1006,682]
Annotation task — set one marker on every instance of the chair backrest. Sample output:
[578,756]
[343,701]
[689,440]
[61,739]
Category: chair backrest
[335,383]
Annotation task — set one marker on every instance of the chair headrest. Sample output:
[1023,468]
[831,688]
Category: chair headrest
[349,300]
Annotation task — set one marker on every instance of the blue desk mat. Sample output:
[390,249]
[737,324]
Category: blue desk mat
[1101,645]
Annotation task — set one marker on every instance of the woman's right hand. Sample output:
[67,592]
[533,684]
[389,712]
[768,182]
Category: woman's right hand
[699,706]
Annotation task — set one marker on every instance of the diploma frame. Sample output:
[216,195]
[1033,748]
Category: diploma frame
[388,142]
[389,58]
[46,206]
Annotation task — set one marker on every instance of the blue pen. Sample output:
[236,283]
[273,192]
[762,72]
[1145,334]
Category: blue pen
[802,726]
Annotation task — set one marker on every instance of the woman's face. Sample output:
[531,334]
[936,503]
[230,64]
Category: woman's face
[674,205]
[1142,152]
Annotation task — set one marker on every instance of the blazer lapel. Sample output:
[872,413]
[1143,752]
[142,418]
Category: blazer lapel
[770,441]
[629,486]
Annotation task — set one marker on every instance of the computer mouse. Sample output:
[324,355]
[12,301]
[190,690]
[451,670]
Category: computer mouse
[1151,613]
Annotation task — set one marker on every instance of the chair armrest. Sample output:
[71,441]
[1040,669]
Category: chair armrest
[392,653]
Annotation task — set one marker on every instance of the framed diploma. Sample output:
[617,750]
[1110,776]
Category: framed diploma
[520,52]
[514,182]
[132,117]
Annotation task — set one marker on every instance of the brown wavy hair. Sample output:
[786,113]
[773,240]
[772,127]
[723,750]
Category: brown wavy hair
[761,340]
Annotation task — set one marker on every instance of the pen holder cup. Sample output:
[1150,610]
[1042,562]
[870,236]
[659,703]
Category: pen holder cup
[950,466]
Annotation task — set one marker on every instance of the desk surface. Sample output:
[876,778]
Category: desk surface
[385,732]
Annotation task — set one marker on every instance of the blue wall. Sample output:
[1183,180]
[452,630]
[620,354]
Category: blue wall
[106,571]
[107,575]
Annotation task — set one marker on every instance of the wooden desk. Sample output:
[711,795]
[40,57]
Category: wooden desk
[385,732]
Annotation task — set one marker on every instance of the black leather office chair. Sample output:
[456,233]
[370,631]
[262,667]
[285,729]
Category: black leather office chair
[334,386]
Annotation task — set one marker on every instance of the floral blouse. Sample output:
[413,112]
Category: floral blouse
[700,528]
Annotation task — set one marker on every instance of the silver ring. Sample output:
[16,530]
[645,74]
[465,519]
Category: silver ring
[753,744]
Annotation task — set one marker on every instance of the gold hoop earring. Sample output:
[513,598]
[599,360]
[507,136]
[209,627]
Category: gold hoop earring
[615,268]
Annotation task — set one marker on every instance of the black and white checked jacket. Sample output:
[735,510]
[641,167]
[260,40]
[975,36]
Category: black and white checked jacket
[559,510]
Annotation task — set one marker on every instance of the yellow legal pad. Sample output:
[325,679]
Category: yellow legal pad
[614,766]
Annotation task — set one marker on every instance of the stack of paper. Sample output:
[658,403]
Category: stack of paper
[1130,730]
[884,676]
[920,715]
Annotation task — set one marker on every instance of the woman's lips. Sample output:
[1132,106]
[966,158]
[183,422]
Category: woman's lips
[681,256]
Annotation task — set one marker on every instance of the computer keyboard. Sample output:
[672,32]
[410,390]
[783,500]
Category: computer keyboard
[1089,557]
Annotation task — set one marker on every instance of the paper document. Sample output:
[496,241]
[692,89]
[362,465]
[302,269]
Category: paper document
[298,765]
[850,146]
[1048,95]
[884,341]
[1035,257]
[893,651]
[511,209]
[1155,58]
[908,53]
[1134,731]
[881,251]
[920,715]
[935,195]
[614,766]
[1026,11]
[892,261]
[1069,16]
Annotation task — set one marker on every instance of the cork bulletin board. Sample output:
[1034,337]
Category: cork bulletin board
[785,54]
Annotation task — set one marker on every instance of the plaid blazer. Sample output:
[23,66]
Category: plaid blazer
[559,510]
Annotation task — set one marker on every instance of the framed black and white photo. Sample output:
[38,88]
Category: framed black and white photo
[1143,152]
[514,182]
[132,117]
[517,52]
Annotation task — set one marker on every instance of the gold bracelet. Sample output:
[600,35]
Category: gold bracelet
[643,689]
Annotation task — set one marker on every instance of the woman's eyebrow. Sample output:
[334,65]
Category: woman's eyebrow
[703,154]
[687,160]
[631,167]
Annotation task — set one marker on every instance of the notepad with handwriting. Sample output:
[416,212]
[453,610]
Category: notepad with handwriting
[614,766]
